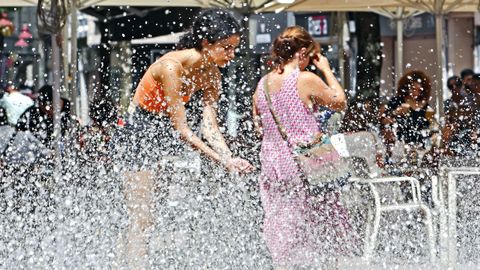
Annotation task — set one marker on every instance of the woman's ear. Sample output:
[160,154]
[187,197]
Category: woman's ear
[302,53]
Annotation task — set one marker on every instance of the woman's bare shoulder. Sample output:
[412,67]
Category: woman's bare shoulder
[308,77]
[166,67]
[308,80]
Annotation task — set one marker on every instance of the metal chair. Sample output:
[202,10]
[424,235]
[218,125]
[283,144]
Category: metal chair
[447,199]
[364,145]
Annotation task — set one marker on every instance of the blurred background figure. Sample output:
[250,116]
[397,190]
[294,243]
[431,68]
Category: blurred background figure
[473,86]
[39,118]
[18,146]
[457,133]
[407,116]
[466,75]
[14,104]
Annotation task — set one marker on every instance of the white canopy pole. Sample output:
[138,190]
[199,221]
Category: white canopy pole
[73,63]
[341,49]
[399,16]
[439,35]
[399,52]
[64,56]
[56,100]
[84,114]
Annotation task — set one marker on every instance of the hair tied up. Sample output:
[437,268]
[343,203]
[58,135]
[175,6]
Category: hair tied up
[287,44]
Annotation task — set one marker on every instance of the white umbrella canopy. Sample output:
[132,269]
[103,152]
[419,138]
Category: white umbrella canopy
[87,3]
[432,6]
[153,3]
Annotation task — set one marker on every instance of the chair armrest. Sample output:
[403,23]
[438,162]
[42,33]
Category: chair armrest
[414,183]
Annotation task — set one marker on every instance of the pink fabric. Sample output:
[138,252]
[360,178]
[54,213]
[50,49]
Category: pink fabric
[298,229]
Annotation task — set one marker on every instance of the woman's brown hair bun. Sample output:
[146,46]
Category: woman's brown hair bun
[287,44]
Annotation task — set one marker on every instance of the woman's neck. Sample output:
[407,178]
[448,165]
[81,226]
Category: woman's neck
[290,66]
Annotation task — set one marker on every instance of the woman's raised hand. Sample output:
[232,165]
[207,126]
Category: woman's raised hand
[239,165]
[321,62]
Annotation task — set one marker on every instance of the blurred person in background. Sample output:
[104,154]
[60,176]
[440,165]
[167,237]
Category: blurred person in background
[94,138]
[473,86]
[39,118]
[457,134]
[19,147]
[407,116]
[15,104]
[466,76]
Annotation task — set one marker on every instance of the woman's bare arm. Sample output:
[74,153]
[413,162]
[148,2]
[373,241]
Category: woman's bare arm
[169,74]
[313,88]
[210,129]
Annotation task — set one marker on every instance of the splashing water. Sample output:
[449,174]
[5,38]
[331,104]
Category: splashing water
[78,220]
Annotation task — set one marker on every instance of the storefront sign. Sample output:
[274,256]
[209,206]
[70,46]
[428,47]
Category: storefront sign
[318,25]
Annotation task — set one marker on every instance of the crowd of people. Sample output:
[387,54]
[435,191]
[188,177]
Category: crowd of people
[462,113]
[409,119]
[33,114]
[299,229]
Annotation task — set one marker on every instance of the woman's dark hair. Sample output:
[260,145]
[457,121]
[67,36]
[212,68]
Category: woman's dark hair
[288,43]
[45,94]
[466,72]
[211,25]
[454,81]
[406,82]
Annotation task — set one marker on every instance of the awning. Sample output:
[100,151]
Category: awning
[87,3]
[432,6]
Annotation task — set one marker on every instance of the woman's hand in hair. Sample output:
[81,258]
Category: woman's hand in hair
[321,62]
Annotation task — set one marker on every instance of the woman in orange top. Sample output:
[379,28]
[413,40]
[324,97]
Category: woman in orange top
[157,125]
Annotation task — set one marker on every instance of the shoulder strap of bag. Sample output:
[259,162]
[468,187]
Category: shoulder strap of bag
[280,127]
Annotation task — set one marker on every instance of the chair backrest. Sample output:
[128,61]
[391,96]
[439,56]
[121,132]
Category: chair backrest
[361,144]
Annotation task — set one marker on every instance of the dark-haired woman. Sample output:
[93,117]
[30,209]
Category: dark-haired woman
[407,115]
[157,132]
[300,230]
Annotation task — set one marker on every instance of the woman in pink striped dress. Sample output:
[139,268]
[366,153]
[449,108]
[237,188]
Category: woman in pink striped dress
[300,230]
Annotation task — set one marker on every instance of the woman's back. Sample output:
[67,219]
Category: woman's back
[298,120]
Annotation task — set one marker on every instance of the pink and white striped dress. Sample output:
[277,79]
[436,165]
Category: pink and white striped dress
[298,229]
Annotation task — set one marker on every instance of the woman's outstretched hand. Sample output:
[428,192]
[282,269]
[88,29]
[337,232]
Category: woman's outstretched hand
[238,165]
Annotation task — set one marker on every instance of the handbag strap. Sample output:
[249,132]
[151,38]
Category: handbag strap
[280,127]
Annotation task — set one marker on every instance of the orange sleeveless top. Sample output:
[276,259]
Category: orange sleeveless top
[149,95]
